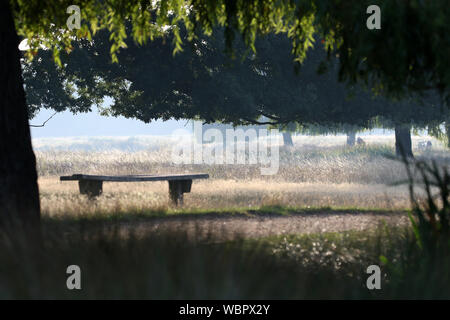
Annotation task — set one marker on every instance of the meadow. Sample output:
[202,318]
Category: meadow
[317,172]
[309,232]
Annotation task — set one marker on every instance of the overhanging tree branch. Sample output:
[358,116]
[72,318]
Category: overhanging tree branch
[251,121]
[269,116]
[43,124]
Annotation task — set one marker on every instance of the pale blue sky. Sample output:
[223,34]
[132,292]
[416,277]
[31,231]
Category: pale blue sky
[66,124]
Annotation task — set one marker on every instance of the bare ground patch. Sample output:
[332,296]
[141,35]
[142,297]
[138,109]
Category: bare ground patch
[227,227]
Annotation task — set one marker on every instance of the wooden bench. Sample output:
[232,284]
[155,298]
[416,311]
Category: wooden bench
[92,185]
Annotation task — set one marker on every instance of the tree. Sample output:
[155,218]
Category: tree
[403,144]
[447,133]
[351,138]
[19,196]
[206,83]
[404,56]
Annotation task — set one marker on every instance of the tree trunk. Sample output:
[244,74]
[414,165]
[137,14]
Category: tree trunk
[447,132]
[287,139]
[403,141]
[19,194]
[351,138]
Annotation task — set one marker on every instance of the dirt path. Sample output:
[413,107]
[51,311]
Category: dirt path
[229,227]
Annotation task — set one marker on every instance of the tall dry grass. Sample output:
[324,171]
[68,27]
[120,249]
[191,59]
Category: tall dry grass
[317,172]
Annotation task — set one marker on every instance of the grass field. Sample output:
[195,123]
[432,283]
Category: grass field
[309,232]
[317,172]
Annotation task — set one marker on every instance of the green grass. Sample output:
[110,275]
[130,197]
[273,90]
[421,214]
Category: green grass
[269,210]
[172,265]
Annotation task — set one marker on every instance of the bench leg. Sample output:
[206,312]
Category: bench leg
[176,190]
[92,188]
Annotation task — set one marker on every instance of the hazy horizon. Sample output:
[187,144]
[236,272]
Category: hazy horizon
[92,124]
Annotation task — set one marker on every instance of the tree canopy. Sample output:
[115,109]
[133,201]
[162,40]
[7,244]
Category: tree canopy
[408,54]
[203,82]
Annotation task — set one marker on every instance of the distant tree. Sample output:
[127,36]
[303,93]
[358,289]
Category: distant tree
[287,131]
[447,133]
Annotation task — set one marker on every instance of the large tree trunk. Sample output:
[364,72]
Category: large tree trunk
[19,194]
[403,145]
[351,138]
[287,139]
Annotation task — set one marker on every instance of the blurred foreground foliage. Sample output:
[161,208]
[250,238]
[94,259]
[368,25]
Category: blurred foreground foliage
[117,261]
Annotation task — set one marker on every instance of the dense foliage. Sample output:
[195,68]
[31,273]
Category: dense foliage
[408,54]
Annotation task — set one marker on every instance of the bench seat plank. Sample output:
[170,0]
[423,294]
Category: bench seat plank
[135,178]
